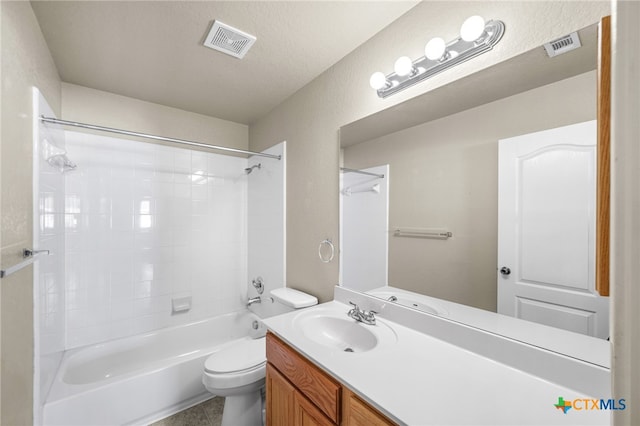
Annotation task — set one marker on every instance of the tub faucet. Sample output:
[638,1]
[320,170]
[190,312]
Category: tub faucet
[253,300]
[367,317]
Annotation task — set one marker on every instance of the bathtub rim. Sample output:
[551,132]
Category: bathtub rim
[61,390]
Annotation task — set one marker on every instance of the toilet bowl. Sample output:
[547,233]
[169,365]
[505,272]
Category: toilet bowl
[238,371]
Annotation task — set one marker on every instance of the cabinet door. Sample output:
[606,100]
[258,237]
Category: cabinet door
[307,414]
[322,390]
[280,399]
[286,406]
[358,413]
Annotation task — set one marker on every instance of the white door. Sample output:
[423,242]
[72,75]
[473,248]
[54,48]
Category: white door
[546,230]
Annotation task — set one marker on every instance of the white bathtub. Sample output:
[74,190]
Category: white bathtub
[409,299]
[139,379]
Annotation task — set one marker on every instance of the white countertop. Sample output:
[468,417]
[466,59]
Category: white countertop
[420,380]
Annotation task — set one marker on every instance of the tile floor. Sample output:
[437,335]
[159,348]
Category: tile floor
[208,413]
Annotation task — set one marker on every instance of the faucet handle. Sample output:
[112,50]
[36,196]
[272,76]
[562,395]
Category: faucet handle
[354,312]
[369,317]
[258,284]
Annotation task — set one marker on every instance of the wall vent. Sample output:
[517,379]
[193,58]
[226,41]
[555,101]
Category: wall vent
[562,45]
[229,40]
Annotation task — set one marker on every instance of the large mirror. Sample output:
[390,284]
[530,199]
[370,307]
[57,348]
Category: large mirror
[428,215]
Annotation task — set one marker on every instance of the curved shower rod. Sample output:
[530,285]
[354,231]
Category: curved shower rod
[154,137]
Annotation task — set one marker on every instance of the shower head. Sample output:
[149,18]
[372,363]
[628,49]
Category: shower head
[250,169]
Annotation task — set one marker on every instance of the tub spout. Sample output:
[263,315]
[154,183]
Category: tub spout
[253,300]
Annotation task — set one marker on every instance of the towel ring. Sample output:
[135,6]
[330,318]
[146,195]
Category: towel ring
[326,242]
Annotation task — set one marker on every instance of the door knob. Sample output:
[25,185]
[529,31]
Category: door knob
[505,271]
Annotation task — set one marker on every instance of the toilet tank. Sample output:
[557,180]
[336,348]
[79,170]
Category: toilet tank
[293,299]
[282,300]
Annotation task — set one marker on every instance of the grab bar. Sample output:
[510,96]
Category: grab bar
[362,172]
[439,234]
[29,255]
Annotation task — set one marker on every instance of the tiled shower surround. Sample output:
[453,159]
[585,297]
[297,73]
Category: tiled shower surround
[146,223]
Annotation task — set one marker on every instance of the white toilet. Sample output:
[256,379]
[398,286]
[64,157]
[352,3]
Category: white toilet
[238,371]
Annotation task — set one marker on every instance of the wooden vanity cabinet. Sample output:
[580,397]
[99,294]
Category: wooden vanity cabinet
[299,393]
[286,405]
[356,412]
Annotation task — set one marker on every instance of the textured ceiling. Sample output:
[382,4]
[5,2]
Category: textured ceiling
[153,50]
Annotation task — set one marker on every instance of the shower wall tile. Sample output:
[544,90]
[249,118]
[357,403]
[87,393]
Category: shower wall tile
[144,223]
[266,225]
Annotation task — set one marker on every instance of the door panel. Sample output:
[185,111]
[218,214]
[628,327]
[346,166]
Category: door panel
[572,319]
[556,213]
[280,394]
[546,231]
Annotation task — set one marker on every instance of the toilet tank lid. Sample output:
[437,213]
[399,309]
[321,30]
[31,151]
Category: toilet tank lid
[293,298]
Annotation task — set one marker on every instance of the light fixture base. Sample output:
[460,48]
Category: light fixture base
[457,51]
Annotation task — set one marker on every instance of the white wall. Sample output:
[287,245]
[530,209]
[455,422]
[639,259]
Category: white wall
[625,202]
[147,223]
[93,106]
[26,62]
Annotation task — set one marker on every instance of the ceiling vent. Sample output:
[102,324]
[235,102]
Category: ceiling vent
[562,45]
[229,40]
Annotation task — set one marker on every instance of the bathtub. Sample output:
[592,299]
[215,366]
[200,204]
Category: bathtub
[409,299]
[140,379]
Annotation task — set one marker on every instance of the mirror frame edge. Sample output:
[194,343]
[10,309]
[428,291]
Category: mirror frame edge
[603,178]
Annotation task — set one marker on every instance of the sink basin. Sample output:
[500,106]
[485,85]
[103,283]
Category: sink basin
[332,329]
[343,334]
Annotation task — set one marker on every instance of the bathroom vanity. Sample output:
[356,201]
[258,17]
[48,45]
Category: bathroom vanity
[298,392]
[326,368]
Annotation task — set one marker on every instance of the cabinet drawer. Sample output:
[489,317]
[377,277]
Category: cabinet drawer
[321,389]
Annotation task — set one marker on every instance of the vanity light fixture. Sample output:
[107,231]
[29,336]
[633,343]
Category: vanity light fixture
[476,38]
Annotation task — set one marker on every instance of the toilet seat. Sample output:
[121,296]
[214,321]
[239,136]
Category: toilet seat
[242,355]
[238,371]
[239,364]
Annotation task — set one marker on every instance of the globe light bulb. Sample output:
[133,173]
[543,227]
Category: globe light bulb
[378,80]
[435,49]
[472,28]
[403,66]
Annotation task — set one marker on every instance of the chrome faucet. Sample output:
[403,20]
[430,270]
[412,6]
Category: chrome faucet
[367,317]
[253,300]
